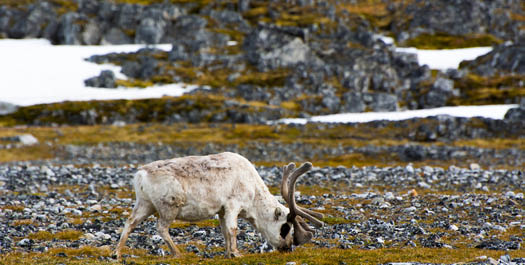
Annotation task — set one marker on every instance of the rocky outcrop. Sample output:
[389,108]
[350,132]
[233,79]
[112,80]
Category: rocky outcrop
[457,17]
[504,59]
[189,108]
[321,61]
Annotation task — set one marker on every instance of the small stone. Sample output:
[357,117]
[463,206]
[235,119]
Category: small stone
[101,236]
[89,236]
[25,242]
[156,239]
[474,166]
[505,259]
[410,209]
[510,194]
[423,185]
[453,228]
[412,193]
[389,196]
[290,263]
[95,208]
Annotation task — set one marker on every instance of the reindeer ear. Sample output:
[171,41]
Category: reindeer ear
[278,213]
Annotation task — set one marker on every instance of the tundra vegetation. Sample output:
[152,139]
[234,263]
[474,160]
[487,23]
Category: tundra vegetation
[433,190]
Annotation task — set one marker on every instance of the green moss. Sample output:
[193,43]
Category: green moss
[62,235]
[330,220]
[133,83]
[479,90]
[446,41]
[301,18]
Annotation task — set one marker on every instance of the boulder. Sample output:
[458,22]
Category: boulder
[382,102]
[269,48]
[31,24]
[353,102]
[440,91]
[69,29]
[106,79]
[115,36]
[151,28]
[91,34]
[516,114]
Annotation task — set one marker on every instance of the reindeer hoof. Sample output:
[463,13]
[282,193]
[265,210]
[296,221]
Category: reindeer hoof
[116,255]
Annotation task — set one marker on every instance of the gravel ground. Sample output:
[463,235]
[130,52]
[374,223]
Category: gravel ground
[369,208]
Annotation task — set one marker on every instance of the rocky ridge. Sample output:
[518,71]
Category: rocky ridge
[315,57]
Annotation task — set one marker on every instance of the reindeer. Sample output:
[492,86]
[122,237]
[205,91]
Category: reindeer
[195,188]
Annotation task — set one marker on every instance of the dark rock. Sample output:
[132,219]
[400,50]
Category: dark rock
[31,26]
[128,16]
[383,102]
[456,17]
[243,5]
[106,79]
[269,48]
[441,90]
[115,36]
[515,115]
[352,102]
[497,244]
[151,28]
[69,29]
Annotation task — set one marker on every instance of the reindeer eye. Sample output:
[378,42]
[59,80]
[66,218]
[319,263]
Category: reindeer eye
[285,229]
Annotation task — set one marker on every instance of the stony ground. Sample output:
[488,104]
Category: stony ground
[45,207]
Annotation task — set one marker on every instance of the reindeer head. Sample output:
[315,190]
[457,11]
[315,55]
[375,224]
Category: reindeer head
[292,228]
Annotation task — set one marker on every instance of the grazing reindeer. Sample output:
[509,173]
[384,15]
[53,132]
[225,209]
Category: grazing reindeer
[194,188]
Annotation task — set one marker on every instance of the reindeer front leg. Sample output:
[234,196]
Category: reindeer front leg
[228,221]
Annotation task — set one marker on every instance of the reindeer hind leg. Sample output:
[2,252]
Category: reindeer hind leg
[140,212]
[163,225]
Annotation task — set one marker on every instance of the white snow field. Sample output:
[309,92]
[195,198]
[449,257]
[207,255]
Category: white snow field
[487,111]
[34,72]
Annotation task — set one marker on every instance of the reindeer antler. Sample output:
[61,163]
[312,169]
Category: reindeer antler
[303,232]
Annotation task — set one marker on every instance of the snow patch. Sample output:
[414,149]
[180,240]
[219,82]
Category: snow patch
[36,72]
[446,59]
[488,111]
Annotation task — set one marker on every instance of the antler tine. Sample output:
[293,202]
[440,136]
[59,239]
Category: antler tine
[284,191]
[291,198]
[284,184]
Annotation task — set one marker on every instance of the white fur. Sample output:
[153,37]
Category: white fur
[195,188]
